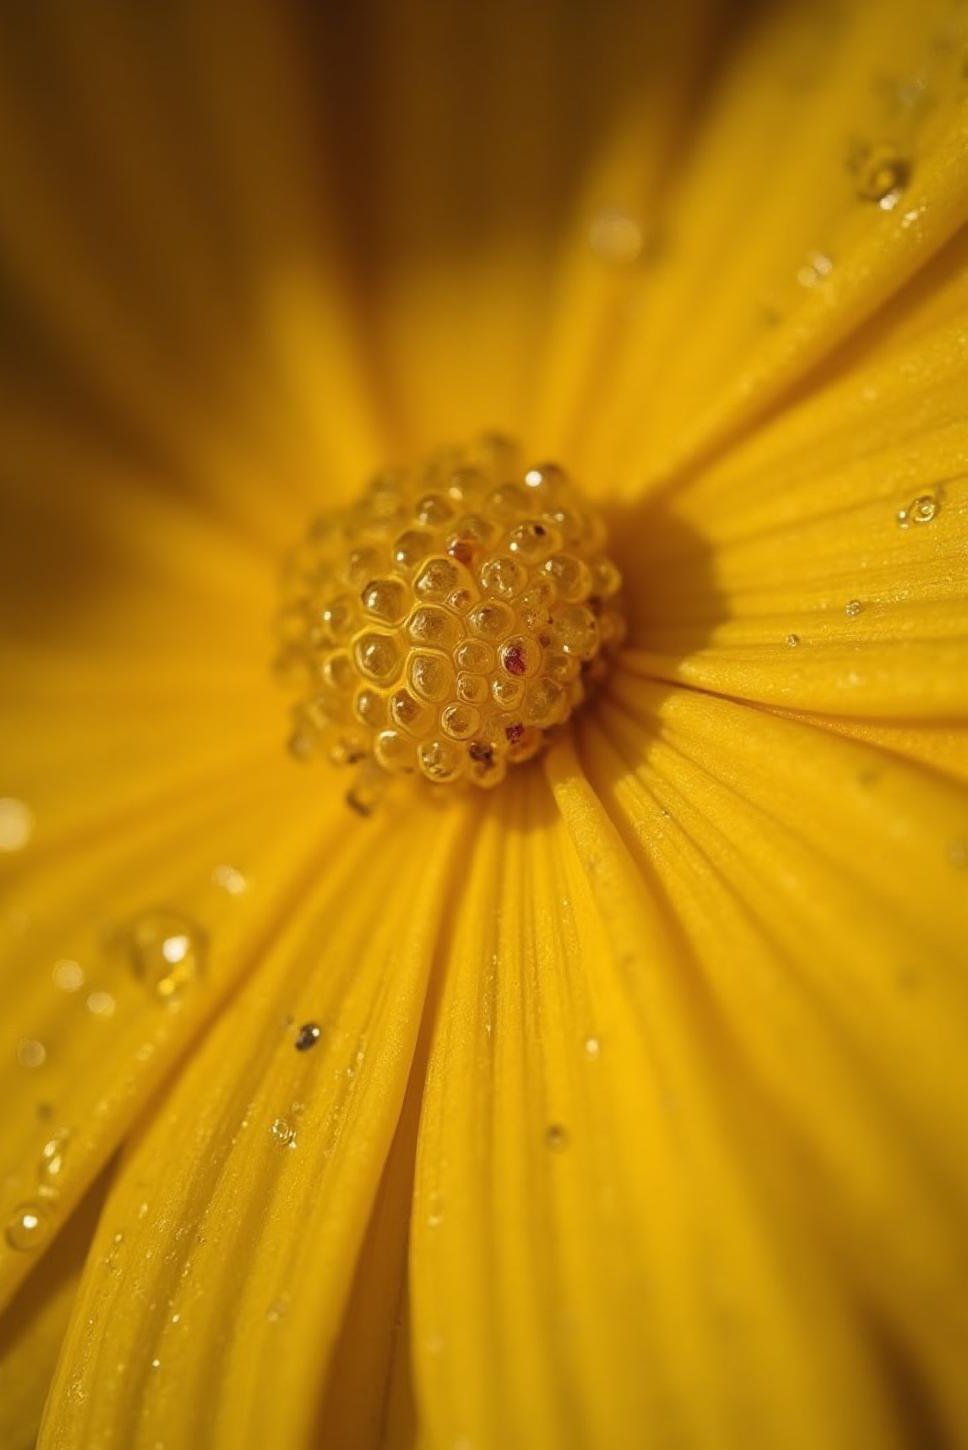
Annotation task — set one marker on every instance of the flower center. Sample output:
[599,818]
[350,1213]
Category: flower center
[449,621]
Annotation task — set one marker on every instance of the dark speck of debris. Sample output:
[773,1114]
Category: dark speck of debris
[307,1036]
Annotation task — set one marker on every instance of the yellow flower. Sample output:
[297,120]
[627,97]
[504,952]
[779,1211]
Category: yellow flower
[624,1106]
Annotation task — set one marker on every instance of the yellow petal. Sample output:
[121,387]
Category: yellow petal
[267,1159]
[601,1251]
[820,566]
[819,887]
[775,253]
[368,1400]
[945,747]
[32,1327]
[93,1022]
[169,295]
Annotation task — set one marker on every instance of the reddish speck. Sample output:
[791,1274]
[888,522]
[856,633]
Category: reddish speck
[460,550]
[539,530]
[514,661]
[482,753]
[514,733]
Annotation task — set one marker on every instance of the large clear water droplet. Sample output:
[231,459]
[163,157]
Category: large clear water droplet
[167,952]
[27,1227]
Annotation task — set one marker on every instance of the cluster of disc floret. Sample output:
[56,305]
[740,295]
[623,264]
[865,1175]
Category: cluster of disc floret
[450,619]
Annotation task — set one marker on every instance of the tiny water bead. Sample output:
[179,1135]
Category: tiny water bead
[815,269]
[229,879]
[68,975]
[443,625]
[31,1053]
[51,1165]
[283,1132]
[616,237]
[921,510]
[166,951]
[881,174]
[101,1004]
[27,1227]
[853,607]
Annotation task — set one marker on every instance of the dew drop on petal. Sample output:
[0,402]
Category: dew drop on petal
[31,1053]
[815,269]
[68,975]
[593,1048]
[881,174]
[615,237]
[27,1227]
[229,879]
[852,608]
[792,640]
[16,824]
[166,952]
[921,510]
[51,1164]
[283,1132]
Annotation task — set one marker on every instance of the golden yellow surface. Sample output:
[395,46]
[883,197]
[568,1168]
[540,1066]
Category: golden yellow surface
[636,1112]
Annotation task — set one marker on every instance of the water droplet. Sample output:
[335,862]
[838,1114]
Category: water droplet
[307,1036]
[101,1004]
[616,237]
[156,1364]
[27,1227]
[881,174]
[921,510]
[792,640]
[68,975]
[16,824]
[283,1132]
[435,1211]
[51,1164]
[816,269]
[31,1053]
[593,1047]
[557,1137]
[166,951]
[229,880]
[852,608]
